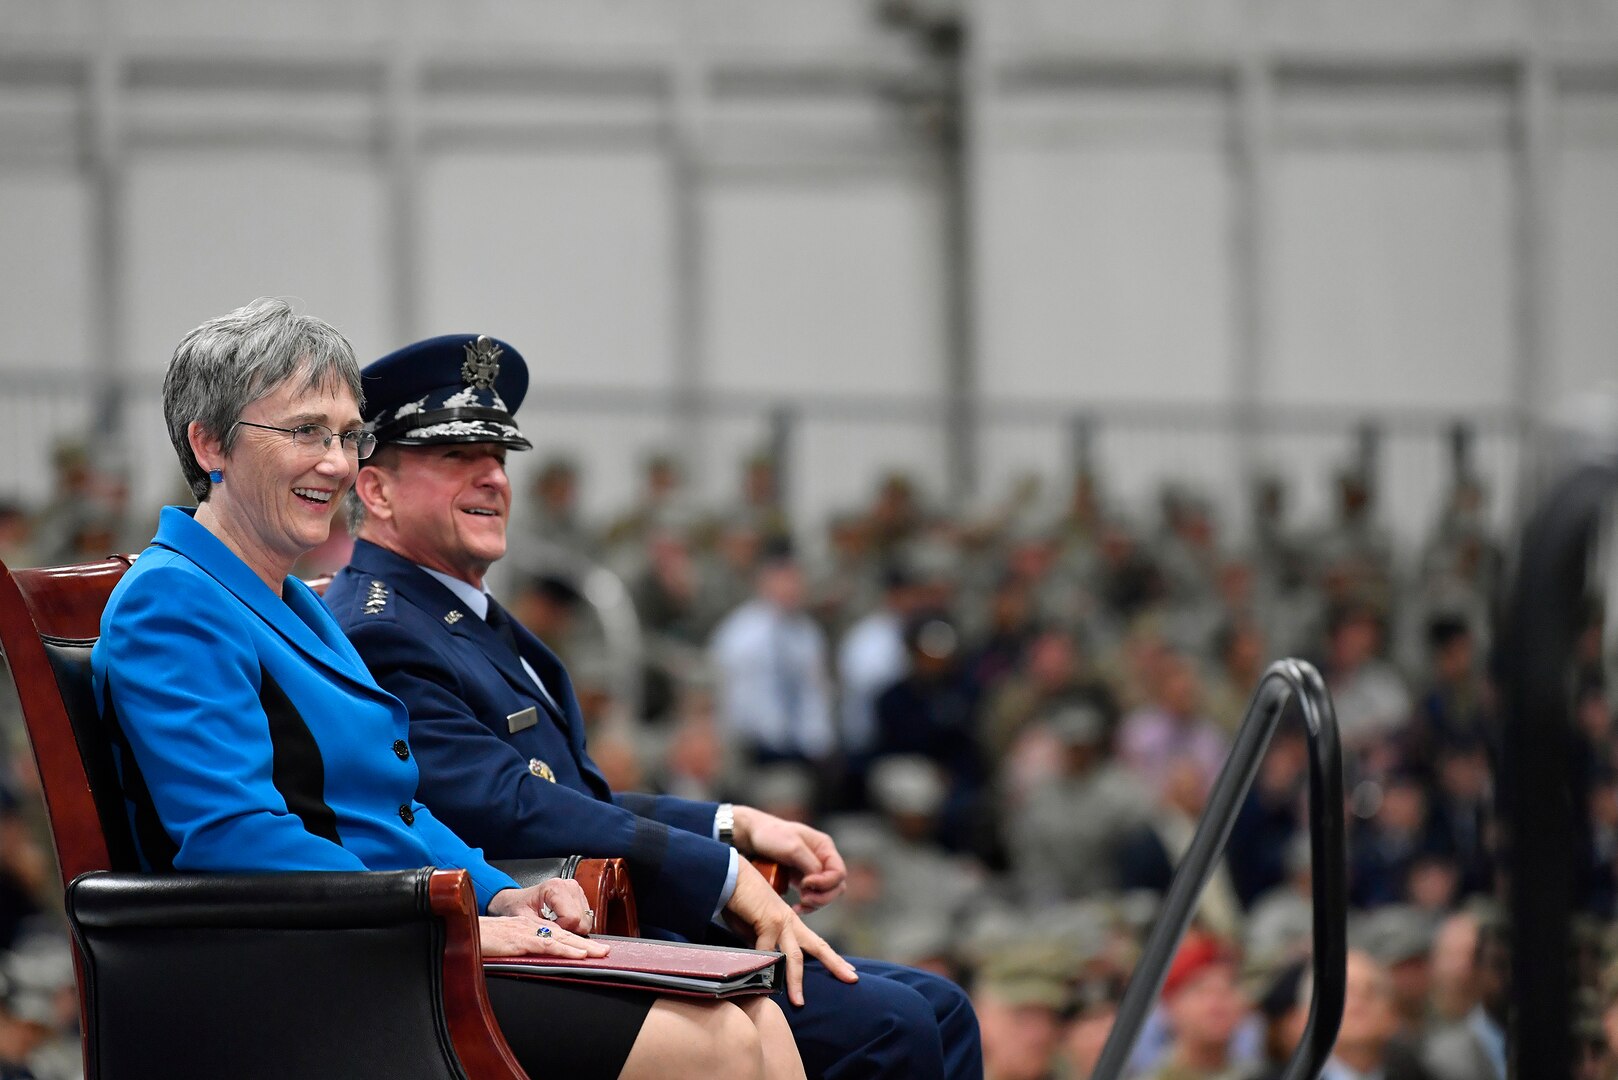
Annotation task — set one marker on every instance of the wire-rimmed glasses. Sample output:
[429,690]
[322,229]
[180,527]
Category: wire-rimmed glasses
[357,444]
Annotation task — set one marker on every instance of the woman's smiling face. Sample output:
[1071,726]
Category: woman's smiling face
[278,499]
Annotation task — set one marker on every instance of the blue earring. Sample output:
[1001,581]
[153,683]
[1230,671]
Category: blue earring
[217,476]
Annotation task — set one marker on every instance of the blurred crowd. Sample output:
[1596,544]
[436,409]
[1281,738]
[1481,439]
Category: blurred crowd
[1011,723]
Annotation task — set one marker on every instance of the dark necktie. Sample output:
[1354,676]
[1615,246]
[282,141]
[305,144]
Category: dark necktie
[500,623]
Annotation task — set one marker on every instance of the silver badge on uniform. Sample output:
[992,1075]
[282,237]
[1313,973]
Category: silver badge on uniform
[453,617]
[541,770]
[519,721]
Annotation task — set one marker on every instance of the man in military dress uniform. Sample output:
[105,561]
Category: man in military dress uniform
[500,742]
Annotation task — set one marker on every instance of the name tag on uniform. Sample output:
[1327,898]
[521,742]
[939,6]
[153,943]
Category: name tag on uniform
[519,721]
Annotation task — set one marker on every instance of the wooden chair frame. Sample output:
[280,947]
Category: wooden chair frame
[62,606]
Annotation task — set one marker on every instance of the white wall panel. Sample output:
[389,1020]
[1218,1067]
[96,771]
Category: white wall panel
[564,253]
[1392,277]
[829,288]
[1585,271]
[608,449]
[356,21]
[834,464]
[208,231]
[1106,272]
[45,276]
[47,311]
[49,18]
[839,463]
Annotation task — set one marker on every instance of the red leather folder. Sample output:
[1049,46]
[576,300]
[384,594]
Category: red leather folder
[667,967]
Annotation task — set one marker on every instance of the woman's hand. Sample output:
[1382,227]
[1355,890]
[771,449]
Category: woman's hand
[560,900]
[518,935]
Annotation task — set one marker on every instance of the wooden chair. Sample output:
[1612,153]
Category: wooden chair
[259,976]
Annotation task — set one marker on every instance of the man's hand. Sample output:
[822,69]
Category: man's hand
[518,935]
[809,854]
[756,912]
[559,899]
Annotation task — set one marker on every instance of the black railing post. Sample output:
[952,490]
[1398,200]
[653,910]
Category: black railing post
[1283,680]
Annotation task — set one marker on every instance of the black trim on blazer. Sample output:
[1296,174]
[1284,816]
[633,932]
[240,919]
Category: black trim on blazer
[298,771]
[152,841]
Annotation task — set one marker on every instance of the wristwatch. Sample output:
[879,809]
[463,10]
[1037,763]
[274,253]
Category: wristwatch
[724,821]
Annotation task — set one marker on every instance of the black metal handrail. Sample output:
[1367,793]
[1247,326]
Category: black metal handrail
[1282,681]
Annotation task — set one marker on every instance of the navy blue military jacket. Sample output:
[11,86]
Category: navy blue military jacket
[252,736]
[500,764]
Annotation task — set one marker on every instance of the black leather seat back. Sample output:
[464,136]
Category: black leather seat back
[238,978]
[70,662]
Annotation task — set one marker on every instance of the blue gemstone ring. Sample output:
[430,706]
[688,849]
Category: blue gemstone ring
[543,931]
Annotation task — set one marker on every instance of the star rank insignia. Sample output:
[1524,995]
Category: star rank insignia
[376,599]
[453,617]
[482,364]
[541,770]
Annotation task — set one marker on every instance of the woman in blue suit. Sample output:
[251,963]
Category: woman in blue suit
[251,736]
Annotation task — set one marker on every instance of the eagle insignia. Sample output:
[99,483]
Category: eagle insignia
[482,364]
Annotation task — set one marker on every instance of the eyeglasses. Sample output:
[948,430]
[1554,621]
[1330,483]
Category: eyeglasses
[357,444]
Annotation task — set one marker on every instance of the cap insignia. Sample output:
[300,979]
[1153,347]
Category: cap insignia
[482,364]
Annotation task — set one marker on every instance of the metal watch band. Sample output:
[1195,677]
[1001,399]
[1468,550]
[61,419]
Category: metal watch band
[724,820]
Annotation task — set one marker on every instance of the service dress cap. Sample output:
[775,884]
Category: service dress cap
[458,388]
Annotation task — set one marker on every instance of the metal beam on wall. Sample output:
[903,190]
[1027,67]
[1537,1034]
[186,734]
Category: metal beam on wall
[960,300]
[1252,159]
[402,168]
[1533,225]
[105,161]
[688,94]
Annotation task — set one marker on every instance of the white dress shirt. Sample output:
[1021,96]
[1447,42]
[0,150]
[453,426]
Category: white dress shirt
[772,680]
[871,659]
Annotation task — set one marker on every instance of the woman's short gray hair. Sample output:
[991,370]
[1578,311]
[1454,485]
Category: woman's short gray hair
[228,363]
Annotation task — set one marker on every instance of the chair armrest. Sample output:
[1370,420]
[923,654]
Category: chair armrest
[774,873]
[606,885]
[274,975]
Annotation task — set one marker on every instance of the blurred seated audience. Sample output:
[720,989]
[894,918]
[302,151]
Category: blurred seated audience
[1474,1047]
[770,659]
[932,713]
[1021,996]
[1370,696]
[1204,1007]
[978,666]
[1148,854]
[1065,842]
[1172,728]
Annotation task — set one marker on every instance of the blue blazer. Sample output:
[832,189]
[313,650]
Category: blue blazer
[487,738]
[252,737]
